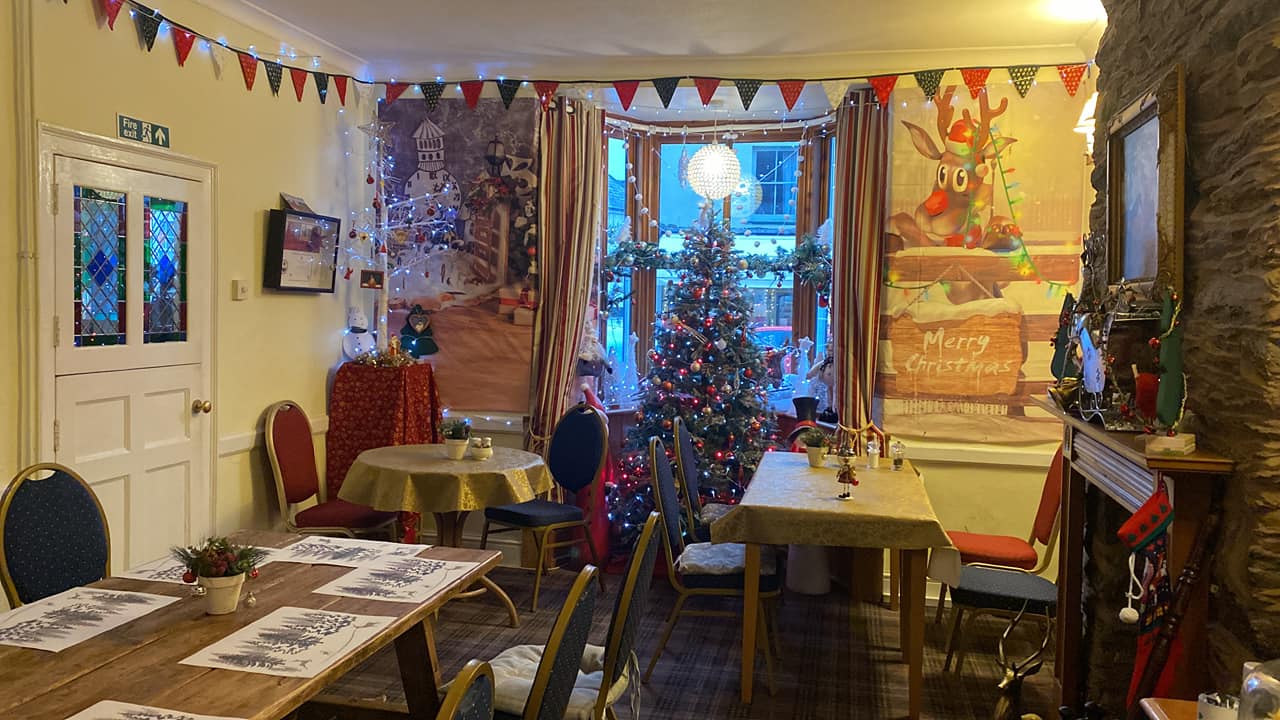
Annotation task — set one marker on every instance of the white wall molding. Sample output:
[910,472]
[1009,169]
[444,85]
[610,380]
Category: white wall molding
[237,443]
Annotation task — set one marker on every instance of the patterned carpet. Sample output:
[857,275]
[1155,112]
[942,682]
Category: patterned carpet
[839,660]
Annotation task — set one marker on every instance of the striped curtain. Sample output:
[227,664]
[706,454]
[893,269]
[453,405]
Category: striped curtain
[861,186]
[570,196]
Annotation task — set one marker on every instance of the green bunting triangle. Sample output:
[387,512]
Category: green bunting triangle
[322,85]
[274,75]
[928,80]
[431,92]
[1022,77]
[747,90]
[507,89]
[148,25]
[666,88]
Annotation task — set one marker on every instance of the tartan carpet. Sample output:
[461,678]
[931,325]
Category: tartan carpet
[839,659]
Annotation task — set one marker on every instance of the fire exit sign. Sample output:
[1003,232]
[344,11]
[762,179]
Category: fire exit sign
[142,131]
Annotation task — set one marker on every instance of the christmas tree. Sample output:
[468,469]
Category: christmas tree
[705,368]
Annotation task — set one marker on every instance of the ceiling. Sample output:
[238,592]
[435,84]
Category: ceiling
[418,40]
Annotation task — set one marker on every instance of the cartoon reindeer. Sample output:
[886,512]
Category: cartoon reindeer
[963,193]
[1009,705]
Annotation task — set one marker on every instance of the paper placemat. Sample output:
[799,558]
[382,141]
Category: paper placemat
[345,552]
[398,579]
[60,621]
[112,710]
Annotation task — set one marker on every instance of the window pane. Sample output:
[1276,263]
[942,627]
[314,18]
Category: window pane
[766,226]
[99,267]
[618,324]
[164,270]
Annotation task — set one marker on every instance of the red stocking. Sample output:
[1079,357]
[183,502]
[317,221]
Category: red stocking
[1146,534]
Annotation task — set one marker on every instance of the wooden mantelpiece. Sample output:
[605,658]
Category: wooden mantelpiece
[1117,464]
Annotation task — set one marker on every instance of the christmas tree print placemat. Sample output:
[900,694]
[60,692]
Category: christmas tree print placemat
[398,579]
[112,710]
[60,621]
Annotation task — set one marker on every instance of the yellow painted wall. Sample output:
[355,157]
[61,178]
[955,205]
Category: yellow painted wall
[8,253]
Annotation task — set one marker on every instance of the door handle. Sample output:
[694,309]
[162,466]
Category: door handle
[201,406]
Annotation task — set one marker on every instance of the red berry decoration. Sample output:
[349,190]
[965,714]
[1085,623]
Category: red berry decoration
[1154,343]
[253,573]
[188,577]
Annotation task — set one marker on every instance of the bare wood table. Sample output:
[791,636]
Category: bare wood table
[790,503]
[138,662]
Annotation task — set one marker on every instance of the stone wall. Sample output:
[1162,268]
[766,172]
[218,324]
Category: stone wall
[1231,52]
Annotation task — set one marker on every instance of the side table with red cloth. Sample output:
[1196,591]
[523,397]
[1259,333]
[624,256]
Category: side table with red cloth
[373,407]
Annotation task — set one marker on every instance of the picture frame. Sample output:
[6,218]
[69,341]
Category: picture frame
[1146,160]
[301,252]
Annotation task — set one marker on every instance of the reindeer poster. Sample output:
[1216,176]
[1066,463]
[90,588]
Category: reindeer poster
[463,271]
[988,202]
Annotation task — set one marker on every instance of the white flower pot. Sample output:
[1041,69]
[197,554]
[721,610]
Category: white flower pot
[221,594]
[816,456]
[456,449]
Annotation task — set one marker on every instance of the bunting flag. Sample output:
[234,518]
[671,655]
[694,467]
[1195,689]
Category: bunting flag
[111,9]
[299,78]
[471,90]
[791,90]
[507,90]
[395,90]
[666,88]
[626,90]
[322,85]
[431,92]
[215,57]
[706,88]
[883,85]
[928,80]
[835,90]
[1071,75]
[975,79]
[747,90]
[274,74]
[340,84]
[546,90]
[148,26]
[182,42]
[1022,76]
[249,67]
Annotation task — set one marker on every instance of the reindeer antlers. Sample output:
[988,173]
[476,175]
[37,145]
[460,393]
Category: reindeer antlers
[986,115]
[945,111]
[1019,667]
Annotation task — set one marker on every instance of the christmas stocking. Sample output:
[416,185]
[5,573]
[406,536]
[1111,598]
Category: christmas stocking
[1147,535]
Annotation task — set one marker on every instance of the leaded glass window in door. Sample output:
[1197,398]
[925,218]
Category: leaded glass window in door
[164,271]
[100,233]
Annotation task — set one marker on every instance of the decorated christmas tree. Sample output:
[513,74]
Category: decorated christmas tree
[705,368]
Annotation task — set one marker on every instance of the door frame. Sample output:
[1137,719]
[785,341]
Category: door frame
[57,141]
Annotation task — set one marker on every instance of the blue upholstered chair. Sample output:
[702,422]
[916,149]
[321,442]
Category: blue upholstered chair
[999,591]
[470,695]
[576,457]
[700,516]
[53,534]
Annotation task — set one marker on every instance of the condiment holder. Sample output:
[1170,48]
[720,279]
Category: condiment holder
[481,448]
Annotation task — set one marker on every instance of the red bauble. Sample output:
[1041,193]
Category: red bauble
[822,301]
[666,424]
[352,234]
[188,577]
[369,179]
[639,416]
[747,373]
[533,250]
[667,386]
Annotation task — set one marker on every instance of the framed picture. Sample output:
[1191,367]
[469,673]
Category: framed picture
[371,279]
[1146,156]
[302,252]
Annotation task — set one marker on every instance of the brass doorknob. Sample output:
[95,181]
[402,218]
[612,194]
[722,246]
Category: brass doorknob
[201,406]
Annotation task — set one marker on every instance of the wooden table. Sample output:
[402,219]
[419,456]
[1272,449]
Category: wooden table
[789,503]
[1165,709]
[139,662]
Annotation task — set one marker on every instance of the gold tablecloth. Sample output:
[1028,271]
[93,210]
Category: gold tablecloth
[790,503]
[421,478]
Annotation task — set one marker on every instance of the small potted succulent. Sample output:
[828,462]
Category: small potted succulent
[219,567]
[815,445]
[457,434]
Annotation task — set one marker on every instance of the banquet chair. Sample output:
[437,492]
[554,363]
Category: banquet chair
[702,569]
[53,534]
[605,672]
[699,516]
[545,693]
[576,457]
[470,694]
[1014,552]
[998,591]
[293,464]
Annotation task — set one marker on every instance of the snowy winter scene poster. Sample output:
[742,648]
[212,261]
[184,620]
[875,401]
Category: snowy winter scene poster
[463,189]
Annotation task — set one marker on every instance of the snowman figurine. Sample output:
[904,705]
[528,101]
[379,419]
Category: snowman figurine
[357,340]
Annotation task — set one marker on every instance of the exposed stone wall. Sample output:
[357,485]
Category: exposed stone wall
[1231,52]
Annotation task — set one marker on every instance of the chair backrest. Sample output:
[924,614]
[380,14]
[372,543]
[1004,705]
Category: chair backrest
[471,694]
[687,464]
[664,494]
[578,448]
[53,534]
[629,609]
[293,454]
[558,670]
[1050,502]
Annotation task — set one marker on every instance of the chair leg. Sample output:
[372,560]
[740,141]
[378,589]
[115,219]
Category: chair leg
[771,614]
[964,635]
[666,635]
[484,536]
[610,713]
[762,641]
[957,614]
[942,603]
[539,540]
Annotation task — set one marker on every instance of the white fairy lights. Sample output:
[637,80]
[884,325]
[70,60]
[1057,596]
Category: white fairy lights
[714,171]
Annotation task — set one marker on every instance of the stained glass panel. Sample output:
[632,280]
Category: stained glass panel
[99,267]
[164,270]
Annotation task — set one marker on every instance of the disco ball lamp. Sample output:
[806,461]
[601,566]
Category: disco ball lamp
[714,171]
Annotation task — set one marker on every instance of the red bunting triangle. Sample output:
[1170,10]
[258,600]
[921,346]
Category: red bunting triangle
[111,8]
[975,79]
[182,42]
[626,91]
[395,90]
[706,88]
[340,84]
[883,85]
[299,77]
[546,90]
[248,66]
[1071,75]
[471,90]
[791,90]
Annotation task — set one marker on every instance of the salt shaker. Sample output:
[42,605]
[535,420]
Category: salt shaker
[873,453]
[898,452]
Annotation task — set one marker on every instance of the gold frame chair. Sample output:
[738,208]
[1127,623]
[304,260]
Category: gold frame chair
[461,685]
[6,500]
[602,708]
[533,705]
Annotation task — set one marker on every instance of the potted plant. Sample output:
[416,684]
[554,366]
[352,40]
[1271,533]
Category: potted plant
[815,445]
[219,567]
[456,438]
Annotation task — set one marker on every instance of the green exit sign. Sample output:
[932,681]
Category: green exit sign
[142,131]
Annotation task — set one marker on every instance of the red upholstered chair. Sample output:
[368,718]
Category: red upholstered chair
[293,462]
[1014,552]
